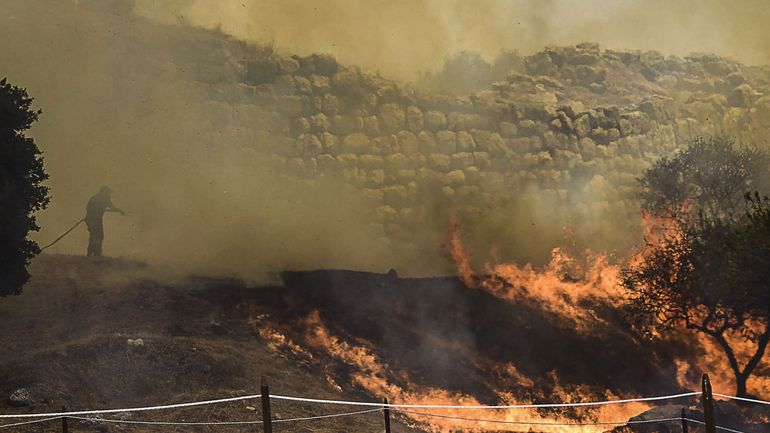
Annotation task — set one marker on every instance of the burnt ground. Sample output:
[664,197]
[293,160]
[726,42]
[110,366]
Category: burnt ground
[66,340]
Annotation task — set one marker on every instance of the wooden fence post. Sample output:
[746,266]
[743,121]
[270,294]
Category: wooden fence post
[708,404]
[267,422]
[684,421]
[386,411]
[64,426]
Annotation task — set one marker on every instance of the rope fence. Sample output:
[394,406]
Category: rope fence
[384,407]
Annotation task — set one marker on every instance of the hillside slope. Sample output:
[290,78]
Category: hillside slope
[70,339]
[66,340]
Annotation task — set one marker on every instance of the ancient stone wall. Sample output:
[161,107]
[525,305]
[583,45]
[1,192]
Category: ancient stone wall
[572,134]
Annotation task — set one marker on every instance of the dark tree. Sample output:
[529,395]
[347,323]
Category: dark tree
[704,181]
[709,270]
[21,190]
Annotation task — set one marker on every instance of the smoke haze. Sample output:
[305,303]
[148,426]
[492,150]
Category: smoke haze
[120,108]
[401,37]
[199,192]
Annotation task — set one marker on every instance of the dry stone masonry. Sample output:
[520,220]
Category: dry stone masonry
[573,131]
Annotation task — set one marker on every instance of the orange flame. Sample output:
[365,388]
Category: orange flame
[377,378]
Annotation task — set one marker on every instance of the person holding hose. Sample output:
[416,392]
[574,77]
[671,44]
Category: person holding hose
[100,203]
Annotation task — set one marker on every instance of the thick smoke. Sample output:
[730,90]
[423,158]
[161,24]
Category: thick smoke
[402,37]
[120,109]
[138,99]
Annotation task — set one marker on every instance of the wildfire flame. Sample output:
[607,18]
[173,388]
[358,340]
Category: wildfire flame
[567,284]
[378,378]
[567,287]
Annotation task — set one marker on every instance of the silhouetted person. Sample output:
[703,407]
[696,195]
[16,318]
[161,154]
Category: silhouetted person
[100,203]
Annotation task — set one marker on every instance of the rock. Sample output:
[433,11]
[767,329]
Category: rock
[583,125]
[329,104]
[508,129]
[465,142]
[286,65]
[346,124]
[638,123]
[325,64]
[261,71]
[356,143]
[371,126]
[385,145]
[743,96]
[303,85]
[310,145]
[446,142]
[736,79]
[455,177]
[396,161]
[330,142]
[527,127]
[372,194]
[306,65]
[439,161]
[20,397]
[435,121]
[587,75]
[376,177]
[301,125]
[371,162]
[490,142]
[426,142]
[540,64]
[395,195]
[414,119]
[407,142]
[319,123]
[135,342]
[462,160]
[320,83]
[481,159]
[392,118]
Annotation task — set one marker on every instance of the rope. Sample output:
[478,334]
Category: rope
[333,415]
[545,423]
[512,406]
[172,423]
[344,402]
[132,409]
[751,400]
[717,426]
[65,234]
[34,421]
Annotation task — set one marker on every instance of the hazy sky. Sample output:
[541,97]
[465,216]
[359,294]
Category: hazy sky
[401,37]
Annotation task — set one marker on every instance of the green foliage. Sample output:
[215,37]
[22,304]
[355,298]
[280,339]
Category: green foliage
[21,190]
[710,270]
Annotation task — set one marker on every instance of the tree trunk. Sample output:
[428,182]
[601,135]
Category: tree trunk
[741,376]
[740,384]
